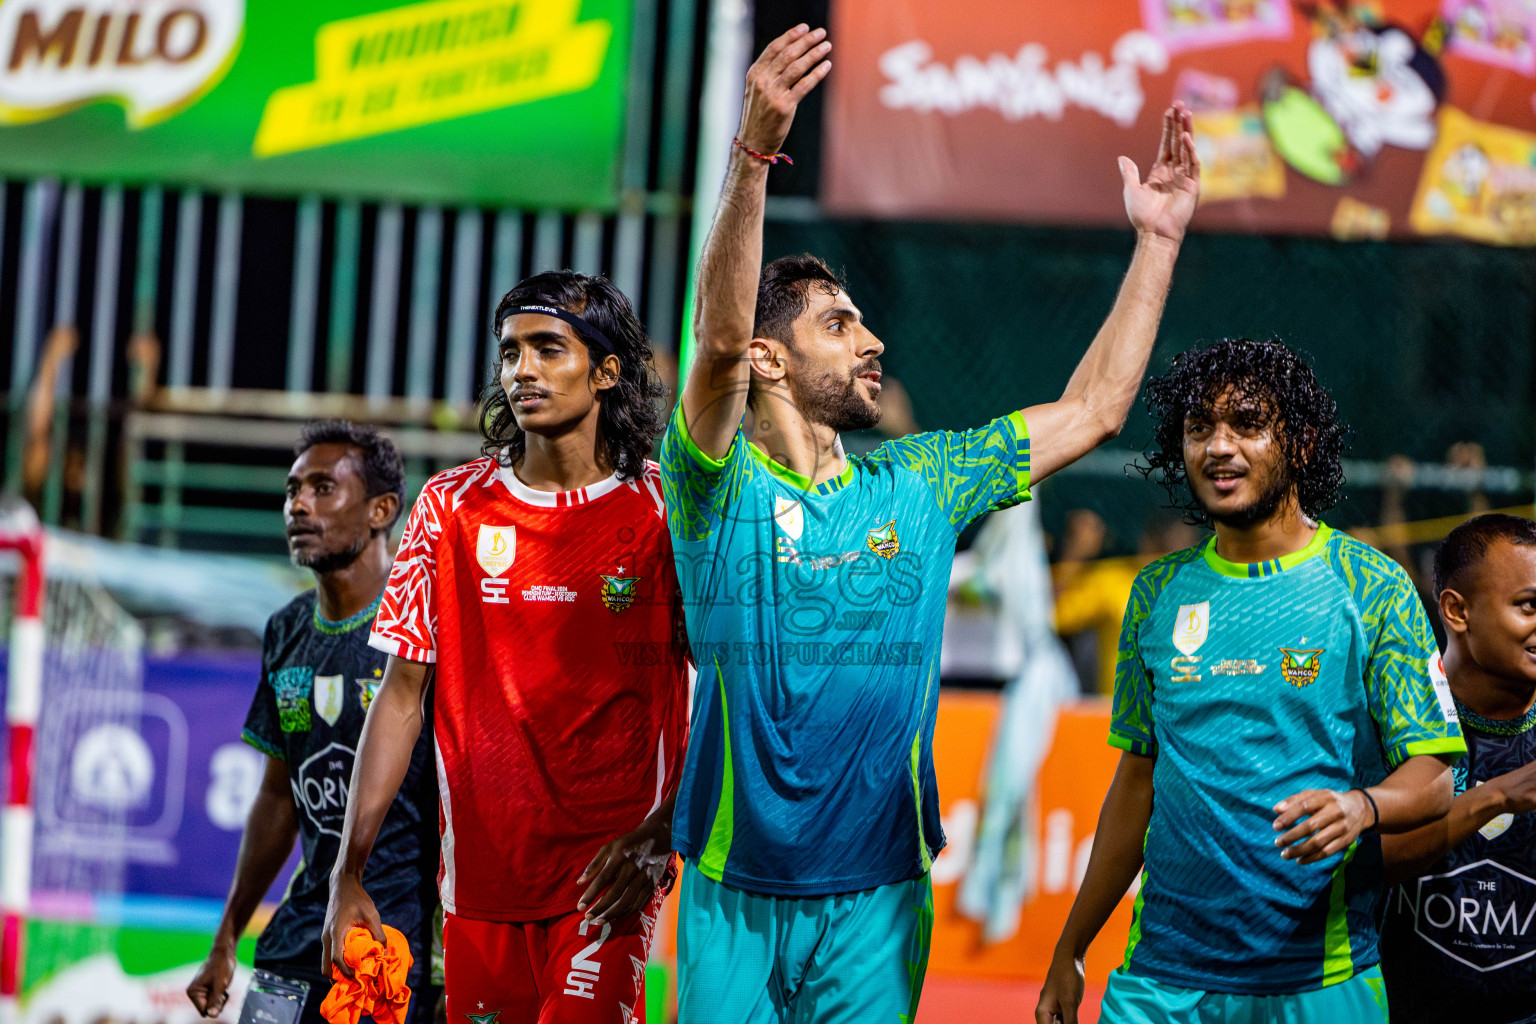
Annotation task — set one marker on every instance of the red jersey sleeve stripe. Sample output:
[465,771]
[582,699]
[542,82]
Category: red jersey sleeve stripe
[400,649]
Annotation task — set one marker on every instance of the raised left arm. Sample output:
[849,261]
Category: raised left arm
[1098,398]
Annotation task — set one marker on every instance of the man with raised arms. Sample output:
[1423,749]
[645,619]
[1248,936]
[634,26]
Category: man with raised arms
[815,587]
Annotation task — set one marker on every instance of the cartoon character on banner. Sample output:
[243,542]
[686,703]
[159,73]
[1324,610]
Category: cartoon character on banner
[1498,32]
[1370,85]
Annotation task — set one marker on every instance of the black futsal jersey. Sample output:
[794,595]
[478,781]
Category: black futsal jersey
[317,678]
[1459,943]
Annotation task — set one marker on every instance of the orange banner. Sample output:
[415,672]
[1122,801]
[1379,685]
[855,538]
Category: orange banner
[1309,118]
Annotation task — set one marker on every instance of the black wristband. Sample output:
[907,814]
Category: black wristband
[1375,811]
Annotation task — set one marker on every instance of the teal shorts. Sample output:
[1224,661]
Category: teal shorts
[1134,1000]
[749,958]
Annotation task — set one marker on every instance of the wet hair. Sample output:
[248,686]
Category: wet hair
[629,419]
[1301,411]
[784,290]
[1465,547]
[383,470]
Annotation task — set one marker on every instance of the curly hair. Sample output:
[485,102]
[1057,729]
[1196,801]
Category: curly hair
[784,290]
[383,470]
[629,419]
[1301,411]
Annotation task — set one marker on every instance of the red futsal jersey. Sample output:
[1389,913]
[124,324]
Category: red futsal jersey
[560,699]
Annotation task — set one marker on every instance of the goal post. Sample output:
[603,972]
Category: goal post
[20,533]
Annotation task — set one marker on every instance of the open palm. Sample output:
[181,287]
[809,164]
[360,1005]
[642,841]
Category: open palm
[1164,203]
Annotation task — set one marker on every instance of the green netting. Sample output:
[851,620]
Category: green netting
[1423,344]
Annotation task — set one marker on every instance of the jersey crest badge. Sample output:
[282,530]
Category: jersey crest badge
[483,1018]
[882,540]
[1300,668]
[790,516]
[369,689]
[328,691]
[1190,627]
[496,548]
[618,592]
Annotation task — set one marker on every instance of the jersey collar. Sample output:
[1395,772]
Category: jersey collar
[1255,570]
[555,499]
[1496,726]
[798,480]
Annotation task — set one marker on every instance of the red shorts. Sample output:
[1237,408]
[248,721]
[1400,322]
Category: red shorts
[557,971]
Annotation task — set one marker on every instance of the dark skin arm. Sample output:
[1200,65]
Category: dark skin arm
[383,757]
[1411,854]
[1112,866]
[1318,823]
[627,871]
[270,831]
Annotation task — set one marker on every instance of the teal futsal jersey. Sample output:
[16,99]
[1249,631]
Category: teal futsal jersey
[815,615]
[1250,683]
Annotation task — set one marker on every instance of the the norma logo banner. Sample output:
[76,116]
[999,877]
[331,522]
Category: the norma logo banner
[155,57]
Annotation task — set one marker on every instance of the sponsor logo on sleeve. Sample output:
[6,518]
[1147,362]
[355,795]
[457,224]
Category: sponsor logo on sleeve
[1442,688]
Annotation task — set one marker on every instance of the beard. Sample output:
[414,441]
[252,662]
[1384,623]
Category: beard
[322,563]
[834,401]
[1274,488]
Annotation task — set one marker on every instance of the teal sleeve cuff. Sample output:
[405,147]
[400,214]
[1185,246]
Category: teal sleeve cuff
[262,745]
[1142,748]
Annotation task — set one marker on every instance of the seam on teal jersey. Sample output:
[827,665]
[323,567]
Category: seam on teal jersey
[262,745]
[707,462]
[1259,570]
[1133,938]
[1496,726]
[722,830]
[917,789]
[917,969]
[330,628]
[1338,954]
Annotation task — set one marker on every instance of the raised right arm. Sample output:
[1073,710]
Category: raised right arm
[715,393]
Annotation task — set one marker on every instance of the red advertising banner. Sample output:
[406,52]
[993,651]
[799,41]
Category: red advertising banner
[1398,118]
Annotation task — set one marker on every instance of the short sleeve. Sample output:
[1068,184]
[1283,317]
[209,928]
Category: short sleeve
[1413,710]
[971,472]
[696,488]
[1130,723]
[406,623]
[262,729]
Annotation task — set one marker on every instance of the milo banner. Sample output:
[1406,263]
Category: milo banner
[1396,118]
[498,102]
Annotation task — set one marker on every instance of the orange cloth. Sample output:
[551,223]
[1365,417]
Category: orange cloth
[377,988]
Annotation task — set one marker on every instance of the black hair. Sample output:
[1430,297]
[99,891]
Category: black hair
[630,412]
[383,470]
[1302,412]
[784,290]
[1466,546]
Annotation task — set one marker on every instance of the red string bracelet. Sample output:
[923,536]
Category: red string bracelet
[767,158]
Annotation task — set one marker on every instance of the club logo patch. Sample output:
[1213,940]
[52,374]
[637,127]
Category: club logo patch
[369,688]
[882,540]
[790,516]
[1190,626]
[293,690]
[496,548]
[1300,668]
[618,592]
[328,692]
